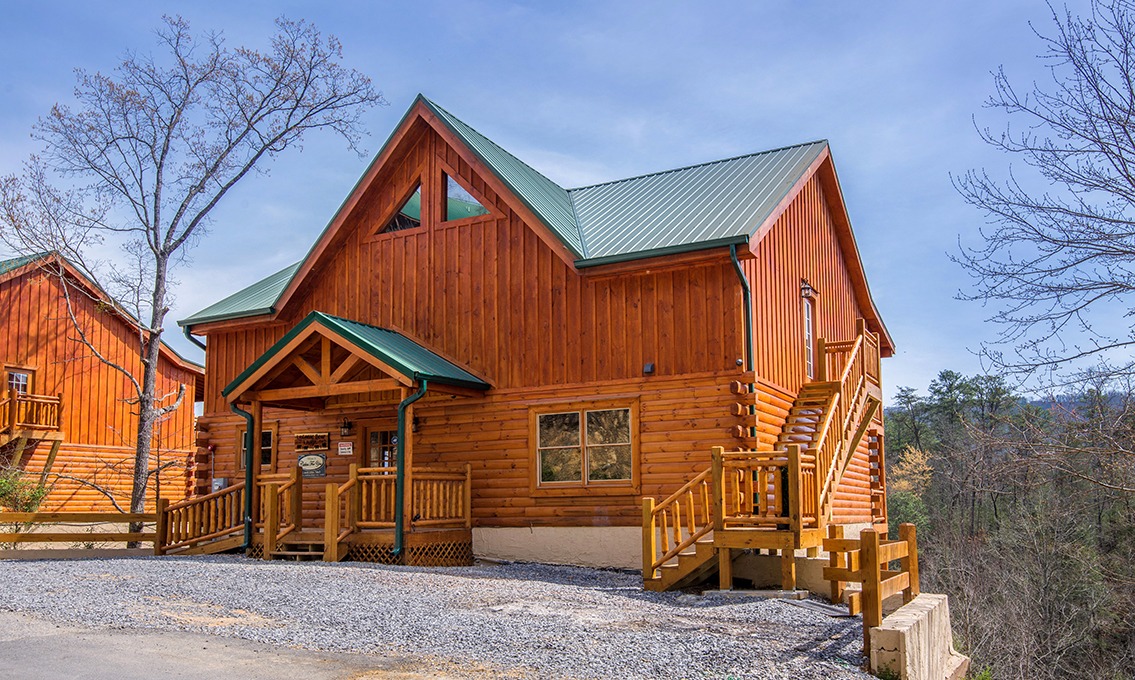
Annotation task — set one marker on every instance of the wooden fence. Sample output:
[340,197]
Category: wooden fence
[867,560]
[90,520]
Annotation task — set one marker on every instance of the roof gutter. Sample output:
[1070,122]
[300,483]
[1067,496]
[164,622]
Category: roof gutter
[660,252]
[400,479]
[187,332]
[747,301]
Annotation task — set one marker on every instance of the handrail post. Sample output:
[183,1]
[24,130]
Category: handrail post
[297,498]
[909,534]
[872,588]
[160,526]
[354,499]
[331,524]
[649,538]
[468,496]
[59,412]
[13,397]
[271,519]
[821,359]
[718,474]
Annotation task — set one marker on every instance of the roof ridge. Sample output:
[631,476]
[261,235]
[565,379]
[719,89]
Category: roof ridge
[695,165]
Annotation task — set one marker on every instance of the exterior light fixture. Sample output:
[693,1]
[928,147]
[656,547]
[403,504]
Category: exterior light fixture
[347,428]
[806,290]
[648,369]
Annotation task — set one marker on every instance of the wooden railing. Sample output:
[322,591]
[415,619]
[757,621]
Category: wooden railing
[867,560]
[20,411]
[676,523]
[749,489]
[199,520]
[88,520]
[438,499]
[282,509]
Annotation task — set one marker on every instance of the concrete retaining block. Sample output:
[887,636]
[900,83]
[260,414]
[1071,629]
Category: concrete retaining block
[916,642]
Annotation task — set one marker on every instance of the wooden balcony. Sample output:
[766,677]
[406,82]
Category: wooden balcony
[30,414]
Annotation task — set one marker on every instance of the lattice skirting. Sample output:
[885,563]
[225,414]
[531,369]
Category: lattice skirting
[257,551]
[441,554]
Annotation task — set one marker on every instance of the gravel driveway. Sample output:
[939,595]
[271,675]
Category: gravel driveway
[509,620]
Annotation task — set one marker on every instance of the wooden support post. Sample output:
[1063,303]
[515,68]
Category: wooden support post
[331,524]
[649,539]
[21,444]
[725,568]
[468,496]
[795,490]
[271,519]
[788,569]
[908,533]
[408,474]
[161,526]
[872,589]
[718,474]
[59,413]
[354,499]
[834,561]
[13,396]
[47,465]
[296,508]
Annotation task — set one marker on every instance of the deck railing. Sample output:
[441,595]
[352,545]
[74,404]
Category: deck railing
[200,520]
[676,523]
[19,411]
[438,499]
[282,509]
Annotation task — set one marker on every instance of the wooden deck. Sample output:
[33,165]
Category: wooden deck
[26,420]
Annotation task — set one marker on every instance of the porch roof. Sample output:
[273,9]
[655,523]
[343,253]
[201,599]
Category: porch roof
[391,349]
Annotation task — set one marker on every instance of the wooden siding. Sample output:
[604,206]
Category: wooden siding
[490,295]
[802,245]
[35,331]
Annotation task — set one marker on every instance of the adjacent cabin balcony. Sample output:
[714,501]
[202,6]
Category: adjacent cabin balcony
[29,414]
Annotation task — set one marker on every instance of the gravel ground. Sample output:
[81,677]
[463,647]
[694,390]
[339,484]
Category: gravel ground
[507,620]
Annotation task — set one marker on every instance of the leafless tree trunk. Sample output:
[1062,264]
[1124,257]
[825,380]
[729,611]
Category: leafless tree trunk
[147,154]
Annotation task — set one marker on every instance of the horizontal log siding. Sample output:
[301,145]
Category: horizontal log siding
[680,419]
[35,331]
[803,245]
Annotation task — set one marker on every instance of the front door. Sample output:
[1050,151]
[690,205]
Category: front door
[381,448]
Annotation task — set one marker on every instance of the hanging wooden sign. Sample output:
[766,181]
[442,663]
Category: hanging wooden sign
[313,441]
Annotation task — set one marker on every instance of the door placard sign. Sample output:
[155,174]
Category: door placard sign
[313,465]
[346,448]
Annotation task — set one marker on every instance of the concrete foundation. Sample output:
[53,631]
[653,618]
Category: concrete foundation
[916,642]
[611,547]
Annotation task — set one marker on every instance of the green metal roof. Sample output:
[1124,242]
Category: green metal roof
[692,208]
[17,262]
[256,299]
[548,200]
[391,348]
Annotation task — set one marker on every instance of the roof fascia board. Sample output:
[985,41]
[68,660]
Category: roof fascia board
[520,205]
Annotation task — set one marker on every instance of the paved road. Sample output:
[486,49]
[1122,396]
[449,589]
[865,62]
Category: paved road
[34,649]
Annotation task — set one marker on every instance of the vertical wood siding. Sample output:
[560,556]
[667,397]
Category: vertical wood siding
[35,331]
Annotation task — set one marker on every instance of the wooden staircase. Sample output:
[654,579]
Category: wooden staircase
[779,495]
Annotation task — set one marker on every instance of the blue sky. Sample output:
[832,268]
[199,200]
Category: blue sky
[592,91]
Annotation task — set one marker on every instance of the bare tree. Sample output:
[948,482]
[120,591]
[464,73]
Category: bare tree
[1058,263]
[147,153]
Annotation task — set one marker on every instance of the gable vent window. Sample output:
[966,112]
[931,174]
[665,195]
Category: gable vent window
[409,216]
[459,203]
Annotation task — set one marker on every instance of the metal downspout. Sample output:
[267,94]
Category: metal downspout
[191,338]
[400,479]
[747,297]
[247,474]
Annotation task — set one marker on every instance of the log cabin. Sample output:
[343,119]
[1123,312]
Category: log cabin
[662,371]
[65,416]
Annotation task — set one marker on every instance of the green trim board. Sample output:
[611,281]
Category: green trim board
[390,347]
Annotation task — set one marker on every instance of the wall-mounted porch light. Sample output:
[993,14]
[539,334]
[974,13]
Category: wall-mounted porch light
[347,428]
[806,289]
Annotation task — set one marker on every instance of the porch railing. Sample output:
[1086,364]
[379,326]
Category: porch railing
[200,520]
[281,509]
[19,411]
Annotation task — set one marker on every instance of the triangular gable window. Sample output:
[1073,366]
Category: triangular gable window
[459,203]
[409,216]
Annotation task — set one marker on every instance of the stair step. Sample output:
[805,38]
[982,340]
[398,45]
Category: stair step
[298,553]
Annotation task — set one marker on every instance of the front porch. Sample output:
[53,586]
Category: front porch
[379,507]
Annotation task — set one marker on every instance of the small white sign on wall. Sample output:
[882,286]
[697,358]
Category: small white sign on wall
[346,448]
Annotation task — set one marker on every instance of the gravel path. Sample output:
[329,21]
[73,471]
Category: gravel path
[509,620]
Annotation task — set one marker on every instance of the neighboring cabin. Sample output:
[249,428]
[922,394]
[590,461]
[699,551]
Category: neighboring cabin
[64,415]
[578,350]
